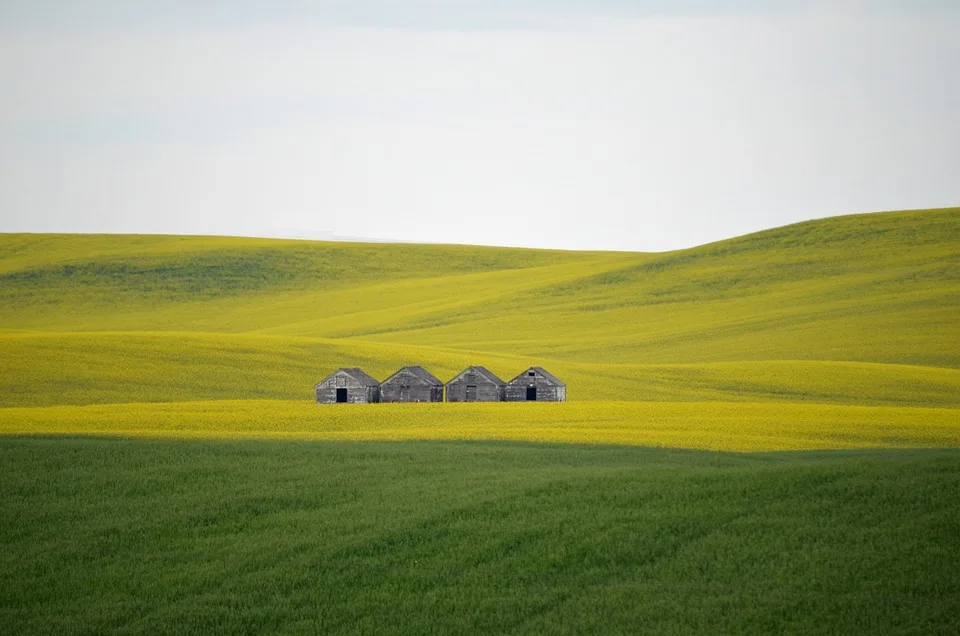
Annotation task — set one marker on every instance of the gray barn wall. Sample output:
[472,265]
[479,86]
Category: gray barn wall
[357,393]
[546,390]
[487,391]
[412,393]
[409,388]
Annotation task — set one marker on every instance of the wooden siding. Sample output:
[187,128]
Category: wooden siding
[357,392]
[547,391]
[486,389]
[407,387]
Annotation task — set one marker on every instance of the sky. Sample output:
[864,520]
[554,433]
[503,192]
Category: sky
[642,125]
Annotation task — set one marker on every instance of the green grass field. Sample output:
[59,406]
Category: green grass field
[429,537]
[761,436]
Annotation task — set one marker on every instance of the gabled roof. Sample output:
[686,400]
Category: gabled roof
[420,373]
[357,374]
[480,371]
[546,374]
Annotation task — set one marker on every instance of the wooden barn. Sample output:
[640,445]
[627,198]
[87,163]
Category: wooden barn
[476,384]
[536,384]
[347,386]
[411,384]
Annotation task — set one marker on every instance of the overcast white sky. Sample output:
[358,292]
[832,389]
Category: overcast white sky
[600,124]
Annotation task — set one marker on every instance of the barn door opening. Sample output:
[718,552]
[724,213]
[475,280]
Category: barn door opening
[341,396]
[471,393]
[531,394]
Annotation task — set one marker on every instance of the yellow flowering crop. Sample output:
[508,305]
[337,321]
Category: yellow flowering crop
[714,426]
[835,333]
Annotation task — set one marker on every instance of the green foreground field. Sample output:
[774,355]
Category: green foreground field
[107,535]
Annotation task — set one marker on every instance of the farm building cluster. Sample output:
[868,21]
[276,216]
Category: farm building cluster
[416,384]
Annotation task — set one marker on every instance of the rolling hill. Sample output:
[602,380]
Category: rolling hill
[849,310]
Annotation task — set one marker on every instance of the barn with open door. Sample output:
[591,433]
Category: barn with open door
[347,386]
[536,384]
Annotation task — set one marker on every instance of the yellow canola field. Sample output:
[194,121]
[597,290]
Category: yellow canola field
[51,369]
[744,427]
[834,333]
[879,288]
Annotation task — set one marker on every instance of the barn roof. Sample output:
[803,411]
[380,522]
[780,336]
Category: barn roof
[362,376]
[485,372]
[420,373]
[357,374]
[546,374]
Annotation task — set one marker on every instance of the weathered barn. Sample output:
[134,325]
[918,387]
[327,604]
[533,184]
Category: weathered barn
[349,385]
[411,384]
[536,384]
[475,384]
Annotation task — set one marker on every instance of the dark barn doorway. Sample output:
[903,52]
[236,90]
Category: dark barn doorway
[341,396]
[531,394]
[471,393]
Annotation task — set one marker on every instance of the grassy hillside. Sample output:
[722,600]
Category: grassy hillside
[850,310]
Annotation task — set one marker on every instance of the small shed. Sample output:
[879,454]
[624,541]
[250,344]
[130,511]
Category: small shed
[347,386]
[476,384]
[536,384]
[411,384]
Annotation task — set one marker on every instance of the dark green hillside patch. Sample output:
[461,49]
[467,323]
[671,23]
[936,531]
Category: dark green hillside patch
[246,537]
[94,269]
